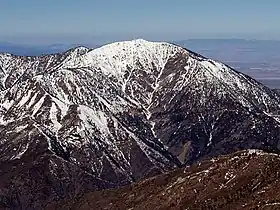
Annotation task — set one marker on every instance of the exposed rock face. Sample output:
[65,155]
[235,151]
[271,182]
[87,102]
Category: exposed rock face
[244,180]
[119,113]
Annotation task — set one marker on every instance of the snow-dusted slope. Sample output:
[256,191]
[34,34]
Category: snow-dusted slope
[130,109]
[243,180]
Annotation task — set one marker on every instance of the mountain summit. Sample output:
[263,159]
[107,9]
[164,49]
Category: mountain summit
[92,119]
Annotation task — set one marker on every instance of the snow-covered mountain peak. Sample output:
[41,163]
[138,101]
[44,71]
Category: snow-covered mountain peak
[116,57]
[140,40]
[140,64]
[76,52]
[126,111]
[81,49]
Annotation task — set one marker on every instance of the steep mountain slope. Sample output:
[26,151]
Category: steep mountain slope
[122,112]
[244,180]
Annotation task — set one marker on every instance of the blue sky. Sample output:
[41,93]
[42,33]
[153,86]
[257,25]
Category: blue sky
[58,21]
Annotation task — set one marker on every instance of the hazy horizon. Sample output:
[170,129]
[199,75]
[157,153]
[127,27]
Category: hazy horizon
[26,41]
[52,22]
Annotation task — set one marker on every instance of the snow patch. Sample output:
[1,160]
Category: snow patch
[38,105]
[88,115]
[53,117]
[24,99]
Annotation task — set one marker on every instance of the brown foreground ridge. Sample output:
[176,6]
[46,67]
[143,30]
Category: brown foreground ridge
[243,180]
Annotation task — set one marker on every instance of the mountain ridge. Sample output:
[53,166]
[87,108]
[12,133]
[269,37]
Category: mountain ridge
[242,180]
[124,112]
